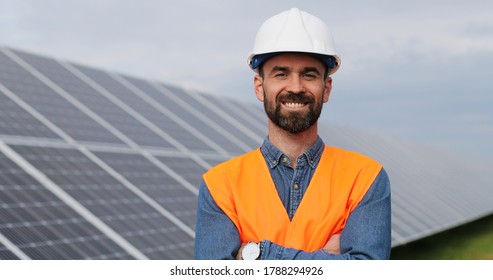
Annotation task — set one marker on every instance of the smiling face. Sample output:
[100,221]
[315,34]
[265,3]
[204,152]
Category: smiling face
[293,89]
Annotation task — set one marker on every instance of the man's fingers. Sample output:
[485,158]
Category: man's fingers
[238,256]
[333,246]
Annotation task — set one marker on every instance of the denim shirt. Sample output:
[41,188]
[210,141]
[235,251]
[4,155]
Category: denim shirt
[367,234]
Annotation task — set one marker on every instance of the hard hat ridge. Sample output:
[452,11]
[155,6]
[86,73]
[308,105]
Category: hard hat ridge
[293,24]
[294,31]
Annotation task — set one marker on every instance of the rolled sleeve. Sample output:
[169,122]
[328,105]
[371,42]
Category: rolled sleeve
[216,236]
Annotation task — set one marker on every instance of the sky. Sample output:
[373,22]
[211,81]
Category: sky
[418,70]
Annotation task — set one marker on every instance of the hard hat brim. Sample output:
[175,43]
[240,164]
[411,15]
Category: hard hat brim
[331,62]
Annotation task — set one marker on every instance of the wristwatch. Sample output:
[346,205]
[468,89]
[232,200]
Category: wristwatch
[251,251]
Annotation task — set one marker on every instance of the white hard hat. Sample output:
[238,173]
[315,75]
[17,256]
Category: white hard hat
[294,31]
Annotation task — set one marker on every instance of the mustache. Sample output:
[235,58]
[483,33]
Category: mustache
[295,97]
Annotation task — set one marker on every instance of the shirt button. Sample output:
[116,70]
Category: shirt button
[274,161]
[284,159]
[296,186]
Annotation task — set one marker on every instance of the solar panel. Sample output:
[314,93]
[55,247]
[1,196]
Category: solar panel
[239,133]
[189,169]
[19,83]
[154,115]
[42,226]
[242,113]
[15,122]
[99,165]
[162,187]
[87,98]
[107,199]
[210,131]
[6,254]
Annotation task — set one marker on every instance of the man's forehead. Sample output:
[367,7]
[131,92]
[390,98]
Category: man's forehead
[293,61]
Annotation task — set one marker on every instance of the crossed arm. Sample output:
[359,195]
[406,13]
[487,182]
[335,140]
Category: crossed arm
[365,236]
[332,246]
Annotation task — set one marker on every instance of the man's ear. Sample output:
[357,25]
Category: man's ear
[258,82]
[328,89]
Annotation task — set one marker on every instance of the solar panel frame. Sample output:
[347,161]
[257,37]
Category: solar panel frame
[6,254]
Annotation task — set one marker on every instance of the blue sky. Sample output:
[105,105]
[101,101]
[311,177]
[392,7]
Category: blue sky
[416,70]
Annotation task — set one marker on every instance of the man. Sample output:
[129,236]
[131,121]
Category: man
[294,197]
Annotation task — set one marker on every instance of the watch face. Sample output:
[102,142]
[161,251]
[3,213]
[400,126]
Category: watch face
[251,251]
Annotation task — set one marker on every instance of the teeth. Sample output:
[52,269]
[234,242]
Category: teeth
[294,105]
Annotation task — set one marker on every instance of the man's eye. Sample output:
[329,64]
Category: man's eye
[280,75]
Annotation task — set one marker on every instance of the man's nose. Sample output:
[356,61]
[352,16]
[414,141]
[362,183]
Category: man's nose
[296,85]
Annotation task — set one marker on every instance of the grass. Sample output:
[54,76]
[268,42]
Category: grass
[473,241]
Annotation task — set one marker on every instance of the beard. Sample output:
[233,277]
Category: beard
[293,122]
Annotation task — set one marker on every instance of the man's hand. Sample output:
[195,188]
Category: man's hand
[333,246]
[238,256]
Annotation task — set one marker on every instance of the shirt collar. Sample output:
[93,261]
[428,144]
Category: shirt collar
[274,156]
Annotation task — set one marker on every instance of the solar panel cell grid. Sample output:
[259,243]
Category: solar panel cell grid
[16,121]
[214,115]
[159,119]
[242,113]
[183,111]
[113,203]
[97,103]
[34,220]
[6,254]
[189,169]
[154,182]
[186,132]
[51,105]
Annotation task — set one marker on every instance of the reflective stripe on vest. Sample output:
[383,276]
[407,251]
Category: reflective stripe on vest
[243,188]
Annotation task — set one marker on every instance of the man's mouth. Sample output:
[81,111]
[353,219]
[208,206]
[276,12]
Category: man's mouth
[293,104]
[295,101]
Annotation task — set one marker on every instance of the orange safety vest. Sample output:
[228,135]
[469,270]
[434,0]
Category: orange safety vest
[243,188]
